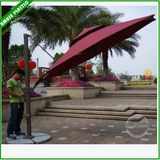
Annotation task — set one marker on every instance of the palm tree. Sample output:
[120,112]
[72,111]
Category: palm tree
[5,47]
[129,45]
[59,24]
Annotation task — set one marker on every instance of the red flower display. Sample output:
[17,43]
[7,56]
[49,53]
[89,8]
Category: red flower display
[72,83]
[88,67]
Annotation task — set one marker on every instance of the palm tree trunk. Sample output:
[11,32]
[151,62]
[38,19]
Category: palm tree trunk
[5,47]
[105,62]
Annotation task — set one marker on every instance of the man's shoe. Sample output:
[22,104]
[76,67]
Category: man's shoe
[20,134]
[11,136]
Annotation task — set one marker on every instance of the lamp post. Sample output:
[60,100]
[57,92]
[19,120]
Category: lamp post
[27,84]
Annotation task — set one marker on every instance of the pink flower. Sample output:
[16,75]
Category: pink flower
[71,83]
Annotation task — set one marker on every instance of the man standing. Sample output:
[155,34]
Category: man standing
[17,104]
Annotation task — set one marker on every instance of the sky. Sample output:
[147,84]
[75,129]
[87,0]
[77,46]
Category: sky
[146,53]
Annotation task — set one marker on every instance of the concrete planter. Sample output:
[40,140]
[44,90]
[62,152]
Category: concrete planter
[74,92]
[109,85]
[37,104]
[125,82]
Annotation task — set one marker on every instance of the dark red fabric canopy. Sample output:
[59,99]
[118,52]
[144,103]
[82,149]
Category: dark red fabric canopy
[94,40]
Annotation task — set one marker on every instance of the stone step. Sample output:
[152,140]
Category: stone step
[119,108]
[60,97]
[94,108]
[142,107]
[90,116]
[150,116]
[146,112]
[126,113]
[104,112]
[128,95]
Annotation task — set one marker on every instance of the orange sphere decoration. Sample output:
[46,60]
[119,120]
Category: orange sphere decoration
[32,65]
[21,63]
[88,67]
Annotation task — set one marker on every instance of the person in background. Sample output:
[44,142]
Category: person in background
[17,104]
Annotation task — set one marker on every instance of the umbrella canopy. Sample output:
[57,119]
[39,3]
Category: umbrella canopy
[94,40]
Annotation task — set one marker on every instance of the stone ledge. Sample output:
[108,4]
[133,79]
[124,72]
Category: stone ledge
[37,103]
[74,92]
[111,85]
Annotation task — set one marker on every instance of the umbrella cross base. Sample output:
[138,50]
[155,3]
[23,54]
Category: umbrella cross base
[37,138]
[74,92]
[110,85]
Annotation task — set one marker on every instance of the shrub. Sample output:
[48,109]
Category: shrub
[155,80]
[4,93]
[105,78]
[140,83]
[34,94]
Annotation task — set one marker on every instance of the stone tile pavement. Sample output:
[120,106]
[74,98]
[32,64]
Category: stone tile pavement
[87,131]
[91,131]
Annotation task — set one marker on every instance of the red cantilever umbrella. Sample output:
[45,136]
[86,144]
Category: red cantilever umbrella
[94,40]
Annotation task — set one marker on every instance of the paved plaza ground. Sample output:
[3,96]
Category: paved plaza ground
[91,131]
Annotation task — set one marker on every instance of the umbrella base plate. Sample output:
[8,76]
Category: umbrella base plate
[36,138]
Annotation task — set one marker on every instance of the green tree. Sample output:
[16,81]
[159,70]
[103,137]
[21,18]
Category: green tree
[59,24]
[128,45]
[5,46]
[15,53]
[57,56]
[125,76]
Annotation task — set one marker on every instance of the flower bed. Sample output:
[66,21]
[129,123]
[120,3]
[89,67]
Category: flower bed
[34,94]
[108,82]
[4,93]
[106,78]
[71,83]
[6,96]
[75,89]
[74,92]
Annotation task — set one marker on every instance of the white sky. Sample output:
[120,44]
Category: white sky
[146,54]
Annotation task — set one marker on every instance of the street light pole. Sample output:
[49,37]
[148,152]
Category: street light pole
[27,84]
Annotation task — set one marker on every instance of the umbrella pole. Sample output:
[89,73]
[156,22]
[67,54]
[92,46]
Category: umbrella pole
[27,84]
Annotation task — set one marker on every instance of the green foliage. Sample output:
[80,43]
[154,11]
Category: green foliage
[5,48]
[140,83]
[57,56]
[125,77]
[87,62]
[100,71]
[155,80]
[58,24]
[15,53]
[89,72]
[110,72]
